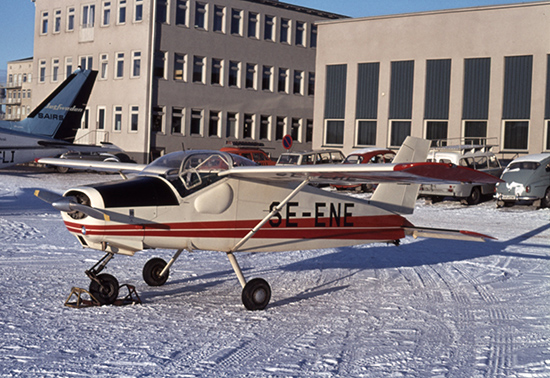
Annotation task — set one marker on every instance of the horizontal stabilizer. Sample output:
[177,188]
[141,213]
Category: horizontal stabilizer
[438,233]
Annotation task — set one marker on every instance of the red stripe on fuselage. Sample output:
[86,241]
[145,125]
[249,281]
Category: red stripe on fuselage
[355,228]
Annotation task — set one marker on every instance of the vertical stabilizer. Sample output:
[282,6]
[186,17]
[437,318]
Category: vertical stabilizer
[401,198]
[59,115]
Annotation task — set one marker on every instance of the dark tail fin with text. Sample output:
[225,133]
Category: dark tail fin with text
[59,115]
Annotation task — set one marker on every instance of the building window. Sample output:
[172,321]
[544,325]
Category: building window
[295,130]
[182,18]
[160,64]
[399,131]
[311,84]
[180,64]
[334,132]
[136,64]
[267,73]
[269,27]
[101,118]
[119,72]
[236,22]
[234,79]
[103,66]
[264,127]
[70,19]
[106,13]
[44,23]
[214,124]
[68,67]
[280,128]
[300,34]
[57,21]
[298,82]
[253,25]
[177,120]
[138,11]
[200,16]
[516,134]
[85,122]
[121,12]
[216,77]
[313,36]
[196,122]
[366,133]
[55,70]
[282,83]
[248,126]
[86,62]
[157,119]
[88,16]
[284,35]
[547,148]
[42,71]
[198,69]
[436,131]
[162,11]
[231,125]
[250,76]
[117,126]
[134,118]
[309,131]
[219,19]
[475,132]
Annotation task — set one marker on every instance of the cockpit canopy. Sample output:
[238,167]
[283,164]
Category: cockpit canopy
[190,171]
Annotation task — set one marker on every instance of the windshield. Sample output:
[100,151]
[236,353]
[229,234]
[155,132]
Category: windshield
[525,165]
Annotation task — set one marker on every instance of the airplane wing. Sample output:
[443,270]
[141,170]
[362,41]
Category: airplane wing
[400,173]
[105,166]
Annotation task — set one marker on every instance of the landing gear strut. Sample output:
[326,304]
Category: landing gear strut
[256,293]
[104,287]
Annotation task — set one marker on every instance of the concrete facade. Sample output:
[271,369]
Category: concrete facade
[496,34]
[159,89]
[17,96]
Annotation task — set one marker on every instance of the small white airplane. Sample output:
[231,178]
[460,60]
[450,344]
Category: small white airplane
[212,200]
[51,127]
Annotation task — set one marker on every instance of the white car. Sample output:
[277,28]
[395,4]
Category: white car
[311,157]
[475,157]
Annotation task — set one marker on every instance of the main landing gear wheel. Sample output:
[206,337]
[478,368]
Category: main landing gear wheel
[256,294]
[106,292]
[152,270]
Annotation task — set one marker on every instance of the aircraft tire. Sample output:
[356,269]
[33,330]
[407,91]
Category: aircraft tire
[151,272]
[256,294]
[109,292]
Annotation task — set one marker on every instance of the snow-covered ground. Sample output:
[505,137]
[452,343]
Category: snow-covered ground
[428,308]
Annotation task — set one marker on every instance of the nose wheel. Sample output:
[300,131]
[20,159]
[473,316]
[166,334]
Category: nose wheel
[104,288]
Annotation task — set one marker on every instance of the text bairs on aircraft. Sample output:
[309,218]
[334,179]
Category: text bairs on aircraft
[51,127]
[211,200]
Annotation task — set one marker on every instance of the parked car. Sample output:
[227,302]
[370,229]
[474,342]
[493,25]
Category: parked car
[311,157]
[526,179]
[366,156]
[92,156]
[477,157]
[249,150]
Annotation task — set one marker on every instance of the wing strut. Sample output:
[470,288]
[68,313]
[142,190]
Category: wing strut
[268,217]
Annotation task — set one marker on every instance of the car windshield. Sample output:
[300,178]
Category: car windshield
[526,165]
[288,159]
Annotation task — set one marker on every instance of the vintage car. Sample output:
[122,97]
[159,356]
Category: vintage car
[311,157]
[249,150]
[526,180]
[366,156]
[477,157]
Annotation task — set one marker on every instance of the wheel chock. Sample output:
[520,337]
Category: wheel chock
[79,301]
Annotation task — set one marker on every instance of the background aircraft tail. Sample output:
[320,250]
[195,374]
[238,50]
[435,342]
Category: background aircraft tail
[59,115]
[401,198]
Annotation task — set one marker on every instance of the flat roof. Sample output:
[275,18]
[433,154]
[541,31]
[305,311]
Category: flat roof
[442,11]
[297,8]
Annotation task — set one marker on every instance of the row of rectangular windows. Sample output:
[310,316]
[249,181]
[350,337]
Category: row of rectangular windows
[215,123]
[515,133]
[232,21]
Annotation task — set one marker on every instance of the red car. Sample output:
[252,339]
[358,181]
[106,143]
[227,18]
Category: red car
[366,156]
[249,150]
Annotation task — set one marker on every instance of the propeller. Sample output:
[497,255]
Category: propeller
[69,204]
